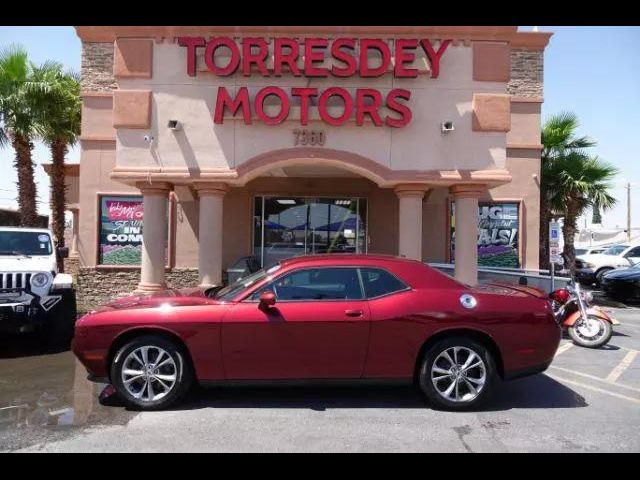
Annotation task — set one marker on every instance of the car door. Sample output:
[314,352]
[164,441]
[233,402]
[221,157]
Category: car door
[318,328]
[633,255]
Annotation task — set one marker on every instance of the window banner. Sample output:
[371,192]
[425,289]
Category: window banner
[120,236]
[498,234]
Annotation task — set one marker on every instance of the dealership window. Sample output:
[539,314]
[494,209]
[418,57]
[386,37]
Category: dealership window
[120,230]
[498,234]
[290,226]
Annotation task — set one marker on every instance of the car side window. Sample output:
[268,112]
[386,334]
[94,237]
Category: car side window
[316,284]
[378,282]
[634,252]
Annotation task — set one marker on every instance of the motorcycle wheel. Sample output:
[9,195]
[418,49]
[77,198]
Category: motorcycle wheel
[594,333]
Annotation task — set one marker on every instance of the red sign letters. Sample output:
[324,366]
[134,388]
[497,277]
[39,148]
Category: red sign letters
[252,56]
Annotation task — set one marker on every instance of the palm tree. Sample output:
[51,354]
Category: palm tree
[558,139]
[61,122]
[576,182]
[22,97]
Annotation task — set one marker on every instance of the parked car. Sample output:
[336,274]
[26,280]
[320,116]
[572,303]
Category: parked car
[622,284]
[591,268]
[591,250]
[348,317]
[33,294]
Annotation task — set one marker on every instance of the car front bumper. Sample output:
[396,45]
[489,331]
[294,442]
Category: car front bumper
[622,288]
[585,275]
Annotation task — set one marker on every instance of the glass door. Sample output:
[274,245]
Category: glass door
[290,226]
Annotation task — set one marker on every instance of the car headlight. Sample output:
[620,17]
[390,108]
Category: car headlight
[39,280]
[589,265]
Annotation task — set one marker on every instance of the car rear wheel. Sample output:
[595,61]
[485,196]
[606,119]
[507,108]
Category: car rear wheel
[150,372]
[457,373]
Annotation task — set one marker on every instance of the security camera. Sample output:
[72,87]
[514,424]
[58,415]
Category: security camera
[173,125]
[447,127]
[148,138]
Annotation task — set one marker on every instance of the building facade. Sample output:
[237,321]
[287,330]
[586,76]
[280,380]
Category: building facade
[203,145]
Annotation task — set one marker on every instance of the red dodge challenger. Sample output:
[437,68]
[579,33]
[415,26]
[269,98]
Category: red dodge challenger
[351,317]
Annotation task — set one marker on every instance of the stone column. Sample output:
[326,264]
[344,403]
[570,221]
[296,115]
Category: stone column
[210,232]
[410,220]
[73,251]
[154,235]
[466,228]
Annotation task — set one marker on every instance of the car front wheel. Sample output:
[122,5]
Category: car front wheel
[600,273]
[457,374]
[150,372]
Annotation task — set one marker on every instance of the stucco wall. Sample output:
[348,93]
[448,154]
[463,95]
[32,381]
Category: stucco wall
[420,145]
[97,160]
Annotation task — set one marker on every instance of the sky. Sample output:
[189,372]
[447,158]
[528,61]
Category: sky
[591,71]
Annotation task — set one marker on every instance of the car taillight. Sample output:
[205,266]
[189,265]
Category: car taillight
[561,296]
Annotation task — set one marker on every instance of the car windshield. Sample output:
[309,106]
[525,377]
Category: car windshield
[230,291]
[616,250]
[24,243]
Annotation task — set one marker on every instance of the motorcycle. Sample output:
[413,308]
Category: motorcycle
[587,326]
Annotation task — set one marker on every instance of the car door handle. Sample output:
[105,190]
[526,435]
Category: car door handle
[353,313]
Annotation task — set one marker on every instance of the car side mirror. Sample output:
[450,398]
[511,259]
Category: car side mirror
[63,252]
[267,300]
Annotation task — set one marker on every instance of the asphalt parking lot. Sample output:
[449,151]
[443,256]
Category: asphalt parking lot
[587,401]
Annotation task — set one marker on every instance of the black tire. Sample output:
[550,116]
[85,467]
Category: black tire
[426,384]
[600,273]
[183,372]
[60,323]
[603,340]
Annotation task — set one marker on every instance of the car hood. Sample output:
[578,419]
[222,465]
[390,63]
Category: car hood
[19,263]
[599,258]
[511,289]
[170,297]
[623,274]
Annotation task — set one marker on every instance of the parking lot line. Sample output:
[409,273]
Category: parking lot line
[595,389]
[592,377]
[622,366]
[564,348]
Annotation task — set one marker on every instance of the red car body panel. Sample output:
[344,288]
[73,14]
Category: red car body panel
[375,338]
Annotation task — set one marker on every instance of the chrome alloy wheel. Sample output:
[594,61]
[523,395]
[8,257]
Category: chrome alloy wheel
[458,374]
[149,373]
[591,329]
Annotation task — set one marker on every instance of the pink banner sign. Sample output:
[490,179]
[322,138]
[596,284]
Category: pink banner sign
[122,210]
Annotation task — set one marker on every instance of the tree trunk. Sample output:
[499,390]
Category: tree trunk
[58,195]
[545,218]
[569,235]
[26,184]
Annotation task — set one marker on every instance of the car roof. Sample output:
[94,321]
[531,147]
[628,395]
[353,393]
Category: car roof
[345,258]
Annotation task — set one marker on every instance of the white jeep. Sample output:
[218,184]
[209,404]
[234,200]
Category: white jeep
[32,292]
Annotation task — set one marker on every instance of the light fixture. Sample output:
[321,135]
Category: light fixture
[173,125]
[285,201]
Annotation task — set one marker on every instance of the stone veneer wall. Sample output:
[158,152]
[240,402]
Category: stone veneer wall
[96,71]
[526,73]
[71,265]
[96,286]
